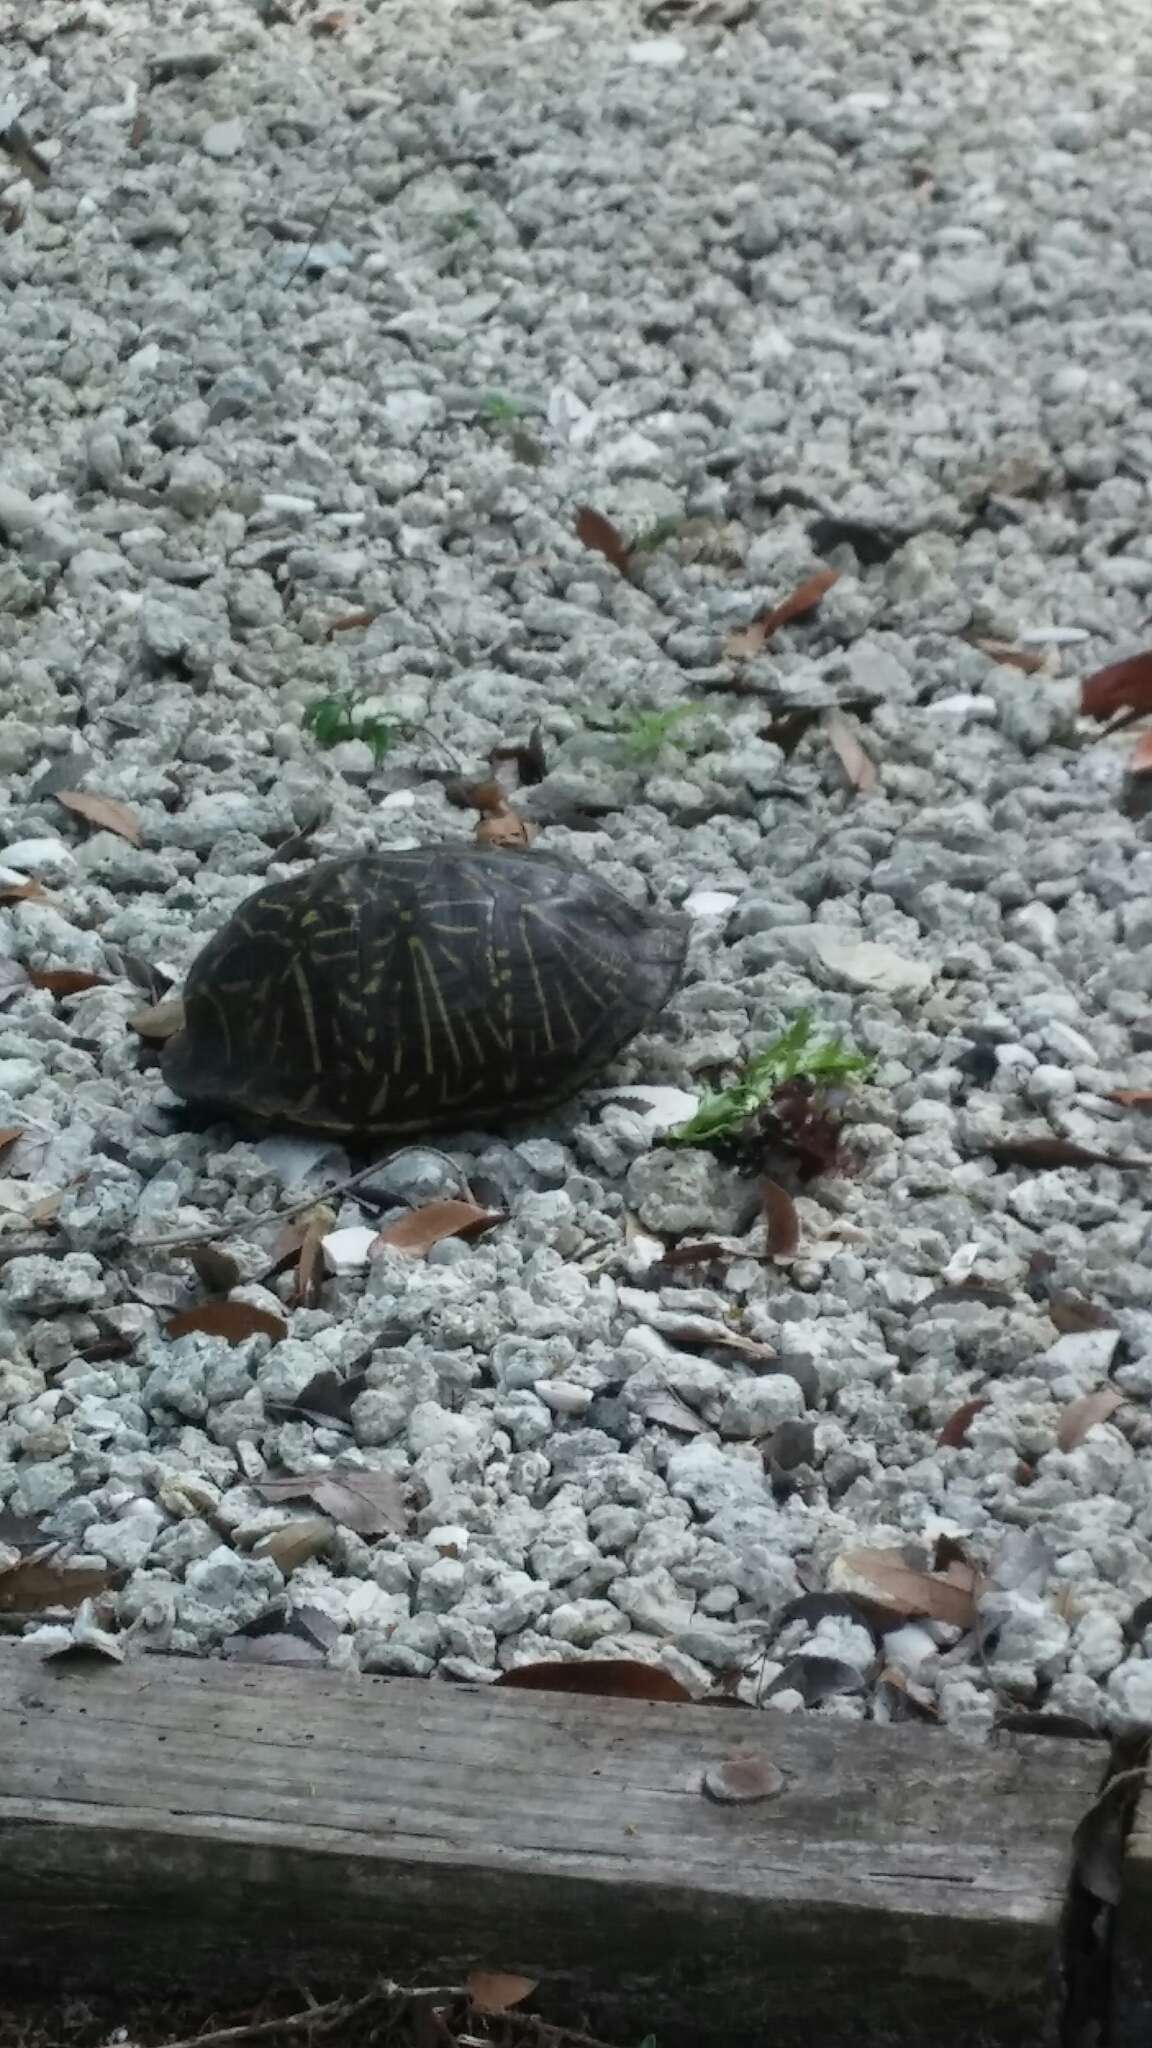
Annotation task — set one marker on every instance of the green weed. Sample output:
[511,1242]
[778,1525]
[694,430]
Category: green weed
[646,733]
[332,719]
[793,1055]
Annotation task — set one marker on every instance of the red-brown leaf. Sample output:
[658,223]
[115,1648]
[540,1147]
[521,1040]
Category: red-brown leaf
[598,533]
[782,1220]
[883,1577]
[422,1228]
[234,1320]
[1132,1098]
[10,1135]
[65,981]
[804,599]
[310,1264]
[857,763]
[1082,1415]
[349,622]
[23,892]
[103,811]
[1139,761]
[1050,1152]
[607,1678]
[495,1991]
[1122,686]
[36,1583]
[955,1430]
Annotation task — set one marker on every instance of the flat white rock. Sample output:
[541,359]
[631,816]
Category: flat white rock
[345,1251]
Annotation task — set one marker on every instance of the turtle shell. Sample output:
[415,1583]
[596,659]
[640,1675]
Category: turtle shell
[396,992]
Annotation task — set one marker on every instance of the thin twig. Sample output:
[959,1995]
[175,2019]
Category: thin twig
[317,2018]
[263,1216]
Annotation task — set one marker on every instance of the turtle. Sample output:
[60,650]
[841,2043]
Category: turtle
[391,992]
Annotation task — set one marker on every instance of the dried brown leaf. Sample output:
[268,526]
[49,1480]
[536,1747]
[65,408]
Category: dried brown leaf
[66,981]
[216,1269]
[310,1271]
[883,1577]
[140,130]
[608,1678]
[508,829]
[844,737]
[1139,761]
[1083,1414]
[782,1220]
[742,1780]
[527,758]
[598,533]
[955,1431]
[496,1991]
[1049,1152]
[106,812]
[348,623]
[36,1583]
[1132,1098]
[1122,686]
[743,645]
[233,1320]
[1071,1313]
[159,1021]
[9,1135]
[23,892]
[422,1228]
[1024,658]
[371,1503]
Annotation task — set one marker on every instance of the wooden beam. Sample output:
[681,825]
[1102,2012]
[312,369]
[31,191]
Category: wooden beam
[204,1825]
[1132,1941]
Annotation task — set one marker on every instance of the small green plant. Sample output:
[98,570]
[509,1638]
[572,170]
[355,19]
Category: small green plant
[793,1056]
[498,407]
[645,733]
[332,719]
[658,535]
[453,225]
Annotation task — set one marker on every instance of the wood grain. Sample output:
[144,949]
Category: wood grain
[197,1824]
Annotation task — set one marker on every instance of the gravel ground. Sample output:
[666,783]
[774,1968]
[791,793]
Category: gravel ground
[306,315]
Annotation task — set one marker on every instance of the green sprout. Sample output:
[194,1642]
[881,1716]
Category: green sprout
[792,1055]
[645,733]
[332,719]
[497,406]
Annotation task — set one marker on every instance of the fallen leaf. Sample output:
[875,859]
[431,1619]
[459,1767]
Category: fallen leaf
[310,1268]
[296,1542]
[742,1780]
[1049,1152]
[509,829]
[371,1503]
[527,757]
[667,1408]
[104,811]
[348,623]
[608,1678]
[844,737]
[216,1269]
[598,533]
[140,130]
[883,1577]
[743,645]
[1023,658]
[1139,762]
[1083,1414]
[47,1208]
[817,1679]
[327,1398]
[497,1990]
[422,1228]
[1122,686]
[159,1021]
[234,1320]
[703,1253]
[10,1135]
[23,892]
[1070,1314]
[1131,1098]
[782,1220]
[36,1583]
[955,1431]
[65,981]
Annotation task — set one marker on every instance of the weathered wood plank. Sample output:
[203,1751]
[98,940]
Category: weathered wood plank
[1132,1941]
[202,1824]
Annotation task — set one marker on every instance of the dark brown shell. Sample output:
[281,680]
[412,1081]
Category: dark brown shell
[396,992]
